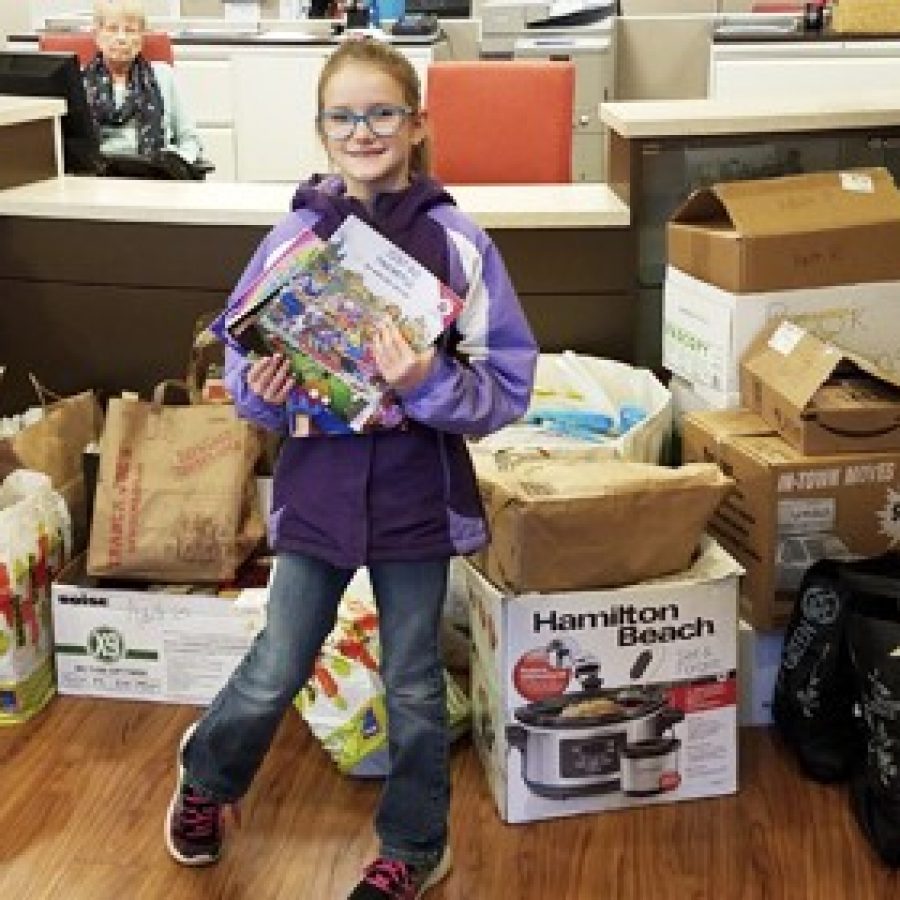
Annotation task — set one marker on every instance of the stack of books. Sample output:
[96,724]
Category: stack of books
[319,304]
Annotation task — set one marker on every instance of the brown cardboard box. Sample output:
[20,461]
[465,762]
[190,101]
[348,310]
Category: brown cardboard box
[866,17]
[801,231]
[559,525]
[787,509]
[820,398]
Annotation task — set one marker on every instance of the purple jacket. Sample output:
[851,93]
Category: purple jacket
[404,494]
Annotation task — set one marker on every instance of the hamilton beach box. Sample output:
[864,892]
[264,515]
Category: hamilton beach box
[136,644]
[600,700]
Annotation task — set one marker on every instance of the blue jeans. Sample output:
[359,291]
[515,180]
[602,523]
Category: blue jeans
[233,736]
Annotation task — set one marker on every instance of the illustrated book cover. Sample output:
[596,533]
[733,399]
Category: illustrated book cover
[319,304]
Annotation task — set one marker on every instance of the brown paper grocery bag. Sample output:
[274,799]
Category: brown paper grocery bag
[558,525]
[176,500]
[54,445]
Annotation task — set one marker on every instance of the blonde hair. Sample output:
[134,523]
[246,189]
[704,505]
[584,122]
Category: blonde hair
[392,63]
[131,9]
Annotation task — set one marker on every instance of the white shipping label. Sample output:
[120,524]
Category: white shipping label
[785,337]
[857,182]
[812,516]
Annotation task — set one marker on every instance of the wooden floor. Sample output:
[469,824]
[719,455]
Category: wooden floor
[84,787]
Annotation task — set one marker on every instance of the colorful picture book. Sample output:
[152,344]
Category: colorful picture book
[319,304]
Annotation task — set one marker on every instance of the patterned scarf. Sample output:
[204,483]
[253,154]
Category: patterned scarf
[143,101]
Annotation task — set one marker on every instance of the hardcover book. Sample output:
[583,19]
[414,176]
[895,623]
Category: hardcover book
[319,304]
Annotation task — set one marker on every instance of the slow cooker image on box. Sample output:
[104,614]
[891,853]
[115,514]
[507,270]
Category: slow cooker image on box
[651,767]
[573,745]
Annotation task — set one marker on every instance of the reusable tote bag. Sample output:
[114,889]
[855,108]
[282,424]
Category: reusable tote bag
[176,499]
[35,542]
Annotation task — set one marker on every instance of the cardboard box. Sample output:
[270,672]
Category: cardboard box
[821,399]
[138,644]
[866,17]
[707,330]
[789,510]
[666,649]
[800,231]
[558,524]
[759,657]
[687,398]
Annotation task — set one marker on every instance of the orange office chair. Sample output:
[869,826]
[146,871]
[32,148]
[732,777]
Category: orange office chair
[157,46]
[501,122]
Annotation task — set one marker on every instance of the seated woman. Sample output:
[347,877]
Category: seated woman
[135,103]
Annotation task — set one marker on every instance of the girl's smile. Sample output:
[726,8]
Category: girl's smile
[370,164]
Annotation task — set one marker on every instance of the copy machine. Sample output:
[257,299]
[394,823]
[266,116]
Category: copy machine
[578,30]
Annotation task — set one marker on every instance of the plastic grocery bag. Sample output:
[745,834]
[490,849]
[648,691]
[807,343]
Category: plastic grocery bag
[343,701]
[35,542]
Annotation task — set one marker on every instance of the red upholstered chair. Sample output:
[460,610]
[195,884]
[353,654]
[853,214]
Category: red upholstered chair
[157,46]
[501,122]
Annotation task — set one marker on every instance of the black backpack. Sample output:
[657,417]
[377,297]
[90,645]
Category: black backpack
[837,696]
[873,638]
[815,692]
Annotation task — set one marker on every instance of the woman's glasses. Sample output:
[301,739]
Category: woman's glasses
[129,29]
[383,120]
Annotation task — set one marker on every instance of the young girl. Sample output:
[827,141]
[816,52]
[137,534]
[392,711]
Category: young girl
[401,502]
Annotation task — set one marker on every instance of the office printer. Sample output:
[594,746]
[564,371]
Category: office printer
[578,30]
[503,19]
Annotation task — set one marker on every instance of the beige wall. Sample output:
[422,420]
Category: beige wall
[14,17]
[667,7]
[677,7]
[659,58]
[728,6]
[191,9]
[200,9]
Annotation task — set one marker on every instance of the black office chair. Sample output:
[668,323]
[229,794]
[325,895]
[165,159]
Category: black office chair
[165,165]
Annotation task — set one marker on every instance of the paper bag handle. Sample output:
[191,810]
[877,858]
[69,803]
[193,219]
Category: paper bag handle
[158,399]
[43,393]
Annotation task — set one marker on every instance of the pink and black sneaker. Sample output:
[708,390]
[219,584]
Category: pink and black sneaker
[193,827]
[391,879]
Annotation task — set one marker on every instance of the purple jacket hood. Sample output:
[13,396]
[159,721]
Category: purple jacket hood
[400,216]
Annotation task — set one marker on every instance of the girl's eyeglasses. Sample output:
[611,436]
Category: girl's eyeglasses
[383,120]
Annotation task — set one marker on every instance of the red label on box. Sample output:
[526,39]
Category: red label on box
[536,678]
[705,695]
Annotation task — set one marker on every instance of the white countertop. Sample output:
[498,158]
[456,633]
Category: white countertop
[16,110]
[689,118]
[234,203]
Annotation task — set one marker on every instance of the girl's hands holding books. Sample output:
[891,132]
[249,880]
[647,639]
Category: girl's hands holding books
[270,378]
[400,366]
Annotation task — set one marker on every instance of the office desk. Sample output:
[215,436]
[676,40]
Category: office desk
[101,280]
[659,151]
[29,138]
